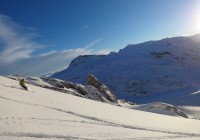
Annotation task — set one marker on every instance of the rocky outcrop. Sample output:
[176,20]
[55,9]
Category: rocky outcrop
[103,89]
[64,85]
[162,108]
[75,86]
[93,89]
[176,110]
[160,54]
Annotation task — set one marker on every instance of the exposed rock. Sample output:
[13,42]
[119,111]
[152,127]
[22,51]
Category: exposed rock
[92,80]
[65,84]
[160,54]
[162,108]
[79,88]
[176,110]
[104,90]
[94,94]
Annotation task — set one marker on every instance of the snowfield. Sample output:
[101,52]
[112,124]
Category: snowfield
[46,115]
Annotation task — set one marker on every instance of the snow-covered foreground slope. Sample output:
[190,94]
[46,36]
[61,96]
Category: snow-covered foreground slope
[89,91]
[47,114]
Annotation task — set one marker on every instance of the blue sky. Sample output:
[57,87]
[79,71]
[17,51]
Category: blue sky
[43,36]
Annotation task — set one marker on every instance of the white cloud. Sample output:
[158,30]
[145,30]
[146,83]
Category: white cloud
[17,49]
[103,52]
[48,62]
[15,45]
[48,53]
[44,63]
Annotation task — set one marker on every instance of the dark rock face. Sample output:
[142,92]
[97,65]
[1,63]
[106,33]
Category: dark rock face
[92,80]
[60,85]
[176,110]
[75,86]
[160,54]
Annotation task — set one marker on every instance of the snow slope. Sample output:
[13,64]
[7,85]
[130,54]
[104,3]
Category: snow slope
[91,91]
[47,114]
[160,71]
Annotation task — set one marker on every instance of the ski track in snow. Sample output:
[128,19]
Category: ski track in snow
[99,122]
[11,86]
[39,135]
[48,136]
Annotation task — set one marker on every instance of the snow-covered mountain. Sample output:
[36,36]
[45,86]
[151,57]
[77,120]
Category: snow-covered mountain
[162,70]
[51,115]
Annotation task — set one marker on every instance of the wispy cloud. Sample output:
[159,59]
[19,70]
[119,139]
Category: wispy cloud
[91,44]
[49,62]
[15,44]
[16,49]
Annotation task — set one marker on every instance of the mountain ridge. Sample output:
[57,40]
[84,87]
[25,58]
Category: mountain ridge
[143,70]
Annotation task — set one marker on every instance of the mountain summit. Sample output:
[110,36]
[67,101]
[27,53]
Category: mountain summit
[153,69]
